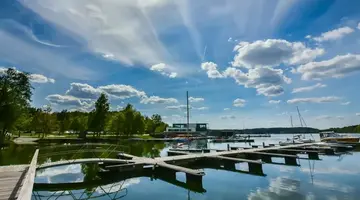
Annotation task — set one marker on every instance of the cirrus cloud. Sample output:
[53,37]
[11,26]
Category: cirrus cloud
[308,88]
[314,100]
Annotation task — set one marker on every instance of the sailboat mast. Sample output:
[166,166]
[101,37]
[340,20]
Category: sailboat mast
[292,126]
[187,112]
[297,108]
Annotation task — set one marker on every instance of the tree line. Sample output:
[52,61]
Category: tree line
[17,116]
[346,129]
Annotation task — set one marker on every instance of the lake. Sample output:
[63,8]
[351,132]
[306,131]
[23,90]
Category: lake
[330,178]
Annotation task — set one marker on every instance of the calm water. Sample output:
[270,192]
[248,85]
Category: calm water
[332,177]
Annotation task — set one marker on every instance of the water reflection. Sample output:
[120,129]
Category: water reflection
[279,188]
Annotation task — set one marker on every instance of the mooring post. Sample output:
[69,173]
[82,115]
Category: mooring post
[228,147]
[290,161]
[255,168]
[266,158]
[263,144]
[313,155]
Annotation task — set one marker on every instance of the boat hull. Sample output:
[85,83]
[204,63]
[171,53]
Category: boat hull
[342,140]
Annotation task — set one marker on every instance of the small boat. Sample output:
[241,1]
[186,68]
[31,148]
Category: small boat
[290,142]
[337,138]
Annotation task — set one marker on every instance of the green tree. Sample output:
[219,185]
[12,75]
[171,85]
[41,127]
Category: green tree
[15,94]
[138,124]
[63,119]
[117,124]
[79,125]
[129,119]
[156,119]
[47,121]
[99,115]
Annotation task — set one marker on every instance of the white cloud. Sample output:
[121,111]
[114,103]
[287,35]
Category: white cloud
[273,52]
[274,90]
[211,70]
[195,99]
[358,26]
[83,91]
[239,102]
[345,103]
[314,100]
[40,57]
[340,117]
[323,117]
[274,101]
[35,78]
[122,91]
[309,88]
[336,67]
[228,117]
[357,114]
[38,78]
[266,80]
[157,100]
[119,30]
[164,70]
[65,100]
[176,107]
[226,109]
[334,34]
[230,39]
[200,108]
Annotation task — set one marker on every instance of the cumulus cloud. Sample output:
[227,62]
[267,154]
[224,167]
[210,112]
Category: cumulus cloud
[334,34]
[274,101]
[164,70]
[266,80]
[38,78]
[228,117]
[35,78]
[157,100]
[309,88]
[345,103]
[83,91]
[239,102]
[70,101]
[211,70]
[122,91]
[314,100]
[336,67]
[273,52]
[195,99]
[226,109]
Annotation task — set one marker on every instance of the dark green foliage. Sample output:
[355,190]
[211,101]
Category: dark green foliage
[15,94]
[346,129]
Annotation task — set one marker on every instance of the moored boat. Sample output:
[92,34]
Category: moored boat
[334,137]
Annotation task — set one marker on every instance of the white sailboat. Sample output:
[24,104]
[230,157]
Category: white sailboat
[293,140]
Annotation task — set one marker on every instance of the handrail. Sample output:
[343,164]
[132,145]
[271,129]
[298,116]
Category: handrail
[28,183]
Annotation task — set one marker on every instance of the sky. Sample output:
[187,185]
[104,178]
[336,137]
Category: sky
[246,64]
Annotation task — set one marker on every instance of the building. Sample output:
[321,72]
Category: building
[194,128]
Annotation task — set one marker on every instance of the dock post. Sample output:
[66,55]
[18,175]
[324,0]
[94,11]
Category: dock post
[290,161]
[329,151]
[266,159]
[229,165]
[263,144]
[255,168]
[313,155]
[228,147]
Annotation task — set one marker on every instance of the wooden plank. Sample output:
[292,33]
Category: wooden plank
[273,154]
[27,186]
[297,150]
[236,159]
[180,169]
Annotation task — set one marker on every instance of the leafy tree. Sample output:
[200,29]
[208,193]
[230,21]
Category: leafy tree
[138,124]
[63,119]
[79,126]
[15,94]
[99,115]
[47,121]
[156,119]
[129,118]
[118,124]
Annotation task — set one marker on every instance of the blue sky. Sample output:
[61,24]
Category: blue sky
[244,63]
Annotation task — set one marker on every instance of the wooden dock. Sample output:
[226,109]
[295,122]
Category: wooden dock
[16,181]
